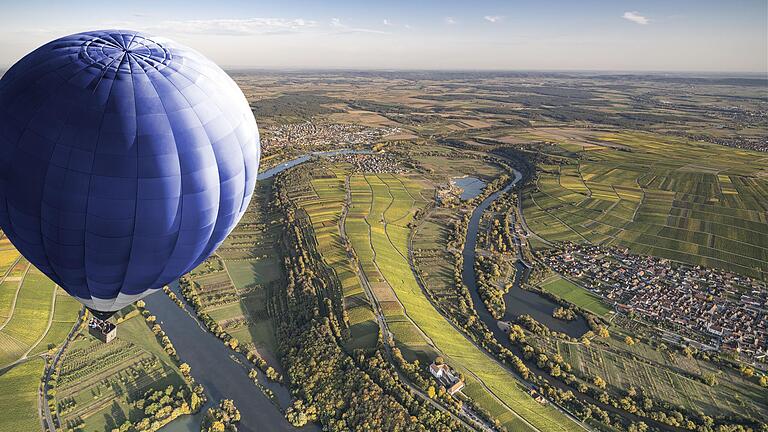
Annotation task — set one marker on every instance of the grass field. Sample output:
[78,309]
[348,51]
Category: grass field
[691,202]
[18,398]
[385,256]
[573,293]
[323,201]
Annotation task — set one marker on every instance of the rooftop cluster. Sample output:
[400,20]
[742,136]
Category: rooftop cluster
[721,309]
[313,135]
[371,163]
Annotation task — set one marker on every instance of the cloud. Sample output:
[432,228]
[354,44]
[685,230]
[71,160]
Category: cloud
[450,20]
[493,18]
[237,27]
[335,22]
[342,28]
[386,22]
[635,17]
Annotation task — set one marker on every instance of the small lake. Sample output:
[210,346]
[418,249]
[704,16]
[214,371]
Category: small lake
[470,186]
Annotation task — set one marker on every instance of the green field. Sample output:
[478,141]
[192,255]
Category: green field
[324,204]
[29,328]
[387,251]
[18,398]
[577,295]
[691,202]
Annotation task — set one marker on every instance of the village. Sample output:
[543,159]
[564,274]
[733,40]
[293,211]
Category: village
[315,136]
[720,310]
[371,162]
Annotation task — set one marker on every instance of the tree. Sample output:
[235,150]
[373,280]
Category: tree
[233,343]
[140,304]
[764,380]
[709,379]
[195,402]
[688,351]
[629,341]
[185,369]
[603,332]
[747,371]
[598,381]
[431,392]
[272,374]
[221,418]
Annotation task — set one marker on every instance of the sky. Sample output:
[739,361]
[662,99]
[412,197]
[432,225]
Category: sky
[608,35]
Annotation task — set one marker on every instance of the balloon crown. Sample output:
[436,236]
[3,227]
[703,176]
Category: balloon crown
[119,51]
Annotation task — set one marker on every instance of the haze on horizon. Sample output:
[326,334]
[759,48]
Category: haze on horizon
[656,35]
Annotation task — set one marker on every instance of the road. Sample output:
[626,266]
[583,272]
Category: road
[42,400]
[384,328]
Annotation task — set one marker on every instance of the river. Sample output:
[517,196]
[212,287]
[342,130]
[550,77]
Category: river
[517,301]
[223,373]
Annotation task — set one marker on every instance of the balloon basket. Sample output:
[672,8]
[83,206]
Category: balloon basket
[102,330]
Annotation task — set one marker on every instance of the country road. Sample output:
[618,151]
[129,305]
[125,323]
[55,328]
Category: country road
[42,400]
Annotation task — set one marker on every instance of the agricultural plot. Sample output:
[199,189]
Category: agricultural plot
[670,380]
[324,203]
[389,249]
[18,400]
[98,381]
[435,264]
[29,316]
[577,295]
[695,204]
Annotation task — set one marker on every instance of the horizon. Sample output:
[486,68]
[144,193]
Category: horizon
[667,37]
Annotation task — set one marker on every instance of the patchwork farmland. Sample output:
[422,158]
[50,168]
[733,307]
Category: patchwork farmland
[666,197]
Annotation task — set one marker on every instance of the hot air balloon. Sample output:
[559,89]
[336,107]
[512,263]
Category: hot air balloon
[125,161]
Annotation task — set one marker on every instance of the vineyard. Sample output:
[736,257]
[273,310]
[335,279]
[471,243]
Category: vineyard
[666,197]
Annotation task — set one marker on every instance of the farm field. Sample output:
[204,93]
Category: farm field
[695,203]
[671,379]
[98,381]
[323,201]
[234,284]
[386,254]
[577,295]
[39,314]
[18,399]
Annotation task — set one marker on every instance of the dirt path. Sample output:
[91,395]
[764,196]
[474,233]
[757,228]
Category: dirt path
[15,296]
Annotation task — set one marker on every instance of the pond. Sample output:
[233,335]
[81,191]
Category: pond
[470,186]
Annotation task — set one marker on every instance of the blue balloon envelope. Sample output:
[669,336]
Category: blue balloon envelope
[125,161]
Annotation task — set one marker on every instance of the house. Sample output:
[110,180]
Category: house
[446,377]
[104,331]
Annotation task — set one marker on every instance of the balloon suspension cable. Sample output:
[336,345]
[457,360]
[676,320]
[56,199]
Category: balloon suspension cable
[101,315]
